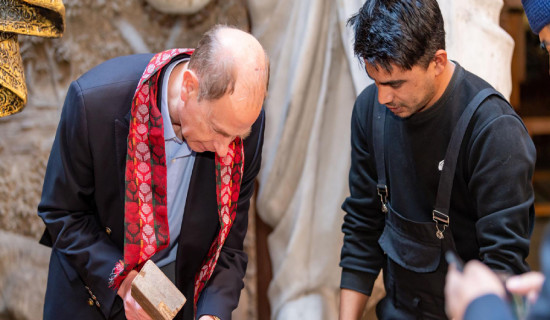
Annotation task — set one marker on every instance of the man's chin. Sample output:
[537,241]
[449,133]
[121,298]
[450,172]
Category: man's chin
[404,115]
[197,147]
[400,112]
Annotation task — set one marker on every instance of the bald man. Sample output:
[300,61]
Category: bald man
[155,159]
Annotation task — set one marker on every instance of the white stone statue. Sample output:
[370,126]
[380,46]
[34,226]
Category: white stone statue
[476,40]
[178,6]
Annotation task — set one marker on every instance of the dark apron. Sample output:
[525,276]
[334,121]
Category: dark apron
[415,268]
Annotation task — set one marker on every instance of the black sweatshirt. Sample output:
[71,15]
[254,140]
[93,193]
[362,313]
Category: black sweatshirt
[492,198]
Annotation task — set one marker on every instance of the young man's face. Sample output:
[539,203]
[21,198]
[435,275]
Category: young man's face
[544,36]
[405,92]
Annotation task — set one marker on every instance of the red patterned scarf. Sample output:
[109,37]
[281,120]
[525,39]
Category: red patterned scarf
[145,217]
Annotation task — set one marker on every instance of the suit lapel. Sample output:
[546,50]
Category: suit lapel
[122,127]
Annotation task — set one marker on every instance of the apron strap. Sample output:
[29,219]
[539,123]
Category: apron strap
[443,200]
[440,214]
[379,114]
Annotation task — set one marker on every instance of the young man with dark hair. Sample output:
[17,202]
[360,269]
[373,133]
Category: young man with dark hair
[440,162]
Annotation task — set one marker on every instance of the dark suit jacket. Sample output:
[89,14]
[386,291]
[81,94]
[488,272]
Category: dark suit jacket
[82,203]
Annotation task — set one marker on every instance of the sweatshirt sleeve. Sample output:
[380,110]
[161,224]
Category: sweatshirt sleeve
[501,164]
[361,256]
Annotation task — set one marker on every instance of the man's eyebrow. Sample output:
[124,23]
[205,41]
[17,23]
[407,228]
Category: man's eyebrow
[220,131]
[386,83]
[225,134]
[391,83]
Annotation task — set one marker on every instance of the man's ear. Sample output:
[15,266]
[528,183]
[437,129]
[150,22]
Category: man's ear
[440,59]
[190,85]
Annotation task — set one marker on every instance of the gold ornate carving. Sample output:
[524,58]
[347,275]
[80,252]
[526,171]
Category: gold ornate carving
[44,18]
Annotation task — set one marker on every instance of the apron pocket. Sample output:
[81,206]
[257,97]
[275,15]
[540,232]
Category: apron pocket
[409,252]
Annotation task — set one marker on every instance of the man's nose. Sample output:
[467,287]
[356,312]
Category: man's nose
[222,146]
[384,95]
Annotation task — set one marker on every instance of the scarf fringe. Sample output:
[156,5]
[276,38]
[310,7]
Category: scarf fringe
[118,275]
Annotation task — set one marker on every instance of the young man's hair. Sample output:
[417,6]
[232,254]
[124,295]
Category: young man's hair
[400,32]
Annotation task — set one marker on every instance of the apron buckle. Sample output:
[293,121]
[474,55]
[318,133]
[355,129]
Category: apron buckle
[440,218]
[383,193]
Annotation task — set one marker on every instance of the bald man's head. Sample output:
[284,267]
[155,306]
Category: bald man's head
[222,90]
[227,58]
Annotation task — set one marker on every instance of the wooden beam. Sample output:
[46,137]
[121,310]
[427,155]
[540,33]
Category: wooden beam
[537,125]
[542,209]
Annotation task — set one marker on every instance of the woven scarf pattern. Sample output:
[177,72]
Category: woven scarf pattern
[145,208]
[229,172]
[145,217]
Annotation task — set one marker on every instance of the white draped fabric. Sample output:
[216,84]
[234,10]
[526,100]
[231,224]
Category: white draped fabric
[313,85]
